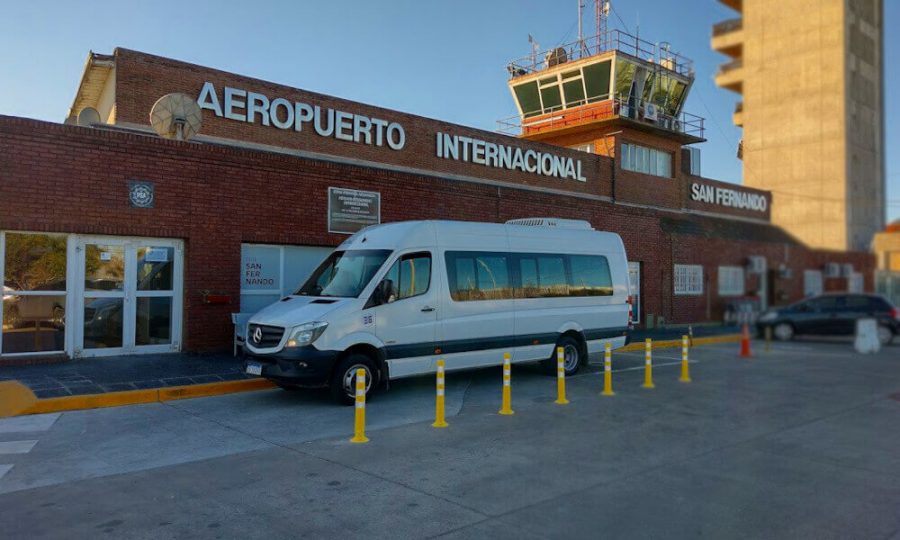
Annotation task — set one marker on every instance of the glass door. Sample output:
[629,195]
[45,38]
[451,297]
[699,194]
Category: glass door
[129,296]
[102,296]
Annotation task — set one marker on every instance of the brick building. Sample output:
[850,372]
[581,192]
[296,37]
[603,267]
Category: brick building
[115,240]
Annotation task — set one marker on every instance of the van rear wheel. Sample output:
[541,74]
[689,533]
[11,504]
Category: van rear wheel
[343,381]
[573,356]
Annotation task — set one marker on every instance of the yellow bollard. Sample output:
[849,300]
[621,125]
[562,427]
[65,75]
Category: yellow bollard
[359,428]
[648,365]
[685,371]
[439,421]
[561,377]
[607,371]
[506,408]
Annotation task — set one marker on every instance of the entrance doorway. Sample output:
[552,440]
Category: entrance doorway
[634,279]
[128,295]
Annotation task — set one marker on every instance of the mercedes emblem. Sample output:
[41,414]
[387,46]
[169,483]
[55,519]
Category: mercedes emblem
[257,335]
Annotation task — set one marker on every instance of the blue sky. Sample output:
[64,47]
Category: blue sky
[438,59]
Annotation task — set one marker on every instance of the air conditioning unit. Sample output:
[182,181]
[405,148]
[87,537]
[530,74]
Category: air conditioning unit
[650,112]
[846,270]
[832,270]
[552,222]
[756,264]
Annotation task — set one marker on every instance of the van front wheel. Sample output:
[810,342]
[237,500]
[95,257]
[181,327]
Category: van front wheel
[343,381]
[573,356]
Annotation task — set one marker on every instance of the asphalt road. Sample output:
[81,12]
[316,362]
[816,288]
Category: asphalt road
[801,442]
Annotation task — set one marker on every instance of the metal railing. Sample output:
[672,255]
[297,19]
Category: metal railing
[684,123]
[731,25]
[614,40]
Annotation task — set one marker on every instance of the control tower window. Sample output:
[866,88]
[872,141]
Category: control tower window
[596,81]
[624,78]
[587,84]
[528,98]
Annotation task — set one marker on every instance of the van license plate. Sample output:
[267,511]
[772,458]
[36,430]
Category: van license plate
[254,369]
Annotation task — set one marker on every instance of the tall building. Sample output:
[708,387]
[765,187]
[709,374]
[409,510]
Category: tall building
[810,74]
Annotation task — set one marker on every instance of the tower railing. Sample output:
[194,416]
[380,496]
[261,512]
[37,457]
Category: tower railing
[613,40]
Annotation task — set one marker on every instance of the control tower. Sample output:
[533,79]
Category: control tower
[598,91]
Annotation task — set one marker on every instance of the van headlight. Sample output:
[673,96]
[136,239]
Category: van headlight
[768,316]
[305,334]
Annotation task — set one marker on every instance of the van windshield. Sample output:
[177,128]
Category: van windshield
[344,273]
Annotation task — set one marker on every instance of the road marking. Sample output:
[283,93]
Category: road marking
[635,368]
[641,367]
[24,424]
[4,469]
[16,447]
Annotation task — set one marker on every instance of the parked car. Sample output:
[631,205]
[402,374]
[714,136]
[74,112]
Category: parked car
[832,314]
[394,298]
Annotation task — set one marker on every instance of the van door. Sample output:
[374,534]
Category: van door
[406,322]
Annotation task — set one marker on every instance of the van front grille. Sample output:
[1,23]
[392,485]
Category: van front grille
[264,337]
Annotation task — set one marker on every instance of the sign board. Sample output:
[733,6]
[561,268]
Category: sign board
[350,210]
[156,255]
[729,197]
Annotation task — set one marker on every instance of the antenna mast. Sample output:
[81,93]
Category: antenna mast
[580,28]
[601,14]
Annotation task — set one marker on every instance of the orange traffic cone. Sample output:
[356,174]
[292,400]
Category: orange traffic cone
[745,343]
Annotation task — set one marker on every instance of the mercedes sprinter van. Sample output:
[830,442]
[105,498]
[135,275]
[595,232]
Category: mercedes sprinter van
[394,298]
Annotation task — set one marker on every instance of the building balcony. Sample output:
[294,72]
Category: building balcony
[728,37]
[731,76]
[737,5]
[738,116]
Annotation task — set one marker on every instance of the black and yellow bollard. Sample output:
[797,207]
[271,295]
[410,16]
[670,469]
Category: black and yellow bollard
[439,420]
[685,371]
[607,371]
[359,425]
[561,377]
[506,407]
[648,365]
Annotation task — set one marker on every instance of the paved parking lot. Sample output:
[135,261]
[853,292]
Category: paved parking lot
[801,442]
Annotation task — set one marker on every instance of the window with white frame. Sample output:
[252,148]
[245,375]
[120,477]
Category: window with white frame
[812,282]
[269,272]
[35,287]
[731,281]
[586,147]
[646,160]
[688,279]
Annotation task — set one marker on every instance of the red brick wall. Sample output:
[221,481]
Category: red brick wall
[141,79]
[71,179]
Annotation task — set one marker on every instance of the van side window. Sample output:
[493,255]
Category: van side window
[590,276]
[486,276]
[552,277]
[411,275]
[478,276]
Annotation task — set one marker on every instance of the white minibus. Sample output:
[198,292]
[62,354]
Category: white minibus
[394,298]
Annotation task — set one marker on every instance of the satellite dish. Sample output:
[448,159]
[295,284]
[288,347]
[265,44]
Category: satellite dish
[88,117]
[176,116]
[556,56]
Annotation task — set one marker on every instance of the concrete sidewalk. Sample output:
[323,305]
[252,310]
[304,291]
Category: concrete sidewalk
[122,373]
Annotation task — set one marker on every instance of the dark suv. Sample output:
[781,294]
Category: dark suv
[831,314]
